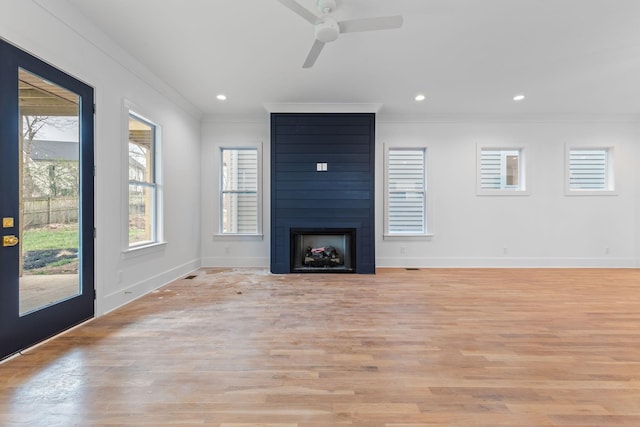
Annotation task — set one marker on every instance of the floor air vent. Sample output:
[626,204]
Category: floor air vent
[190,277]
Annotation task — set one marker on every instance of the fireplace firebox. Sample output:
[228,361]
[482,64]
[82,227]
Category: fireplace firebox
[325,250]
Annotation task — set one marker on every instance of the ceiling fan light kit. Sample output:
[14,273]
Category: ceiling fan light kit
[328,29]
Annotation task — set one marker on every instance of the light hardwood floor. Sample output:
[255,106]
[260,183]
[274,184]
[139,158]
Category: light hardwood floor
[402,348]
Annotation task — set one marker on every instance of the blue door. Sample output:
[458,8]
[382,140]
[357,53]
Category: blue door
[46,200]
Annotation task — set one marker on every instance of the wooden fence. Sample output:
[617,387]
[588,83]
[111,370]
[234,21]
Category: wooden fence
[40,211]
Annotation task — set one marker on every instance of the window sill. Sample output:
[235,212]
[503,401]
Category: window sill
[503,193]
[405,237]
[241,237]
[572,193]
[143,250]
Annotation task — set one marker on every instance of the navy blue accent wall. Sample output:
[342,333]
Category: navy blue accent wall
[342,197]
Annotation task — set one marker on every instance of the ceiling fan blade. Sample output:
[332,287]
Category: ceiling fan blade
[313,54]
[301,10]
[370,24]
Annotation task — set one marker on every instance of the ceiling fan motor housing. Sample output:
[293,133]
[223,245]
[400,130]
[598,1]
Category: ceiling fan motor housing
[328,30]
[326,6]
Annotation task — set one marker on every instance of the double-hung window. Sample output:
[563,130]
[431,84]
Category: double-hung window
[590,170]
[239,195]
[143,189]
[406,192]
[501,171]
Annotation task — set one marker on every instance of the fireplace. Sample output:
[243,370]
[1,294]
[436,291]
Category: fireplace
[322,183]
[323,250]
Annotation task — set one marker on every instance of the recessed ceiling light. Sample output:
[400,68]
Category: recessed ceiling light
[420,97]
[519,97]
[221,97]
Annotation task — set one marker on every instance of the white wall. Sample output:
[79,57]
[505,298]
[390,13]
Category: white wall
[232,251]
[63,38]
[543,229]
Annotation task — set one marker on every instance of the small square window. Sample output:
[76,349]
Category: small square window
[589,170]
[501,171]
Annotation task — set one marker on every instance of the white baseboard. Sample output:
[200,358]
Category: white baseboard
[507,262]
[255,262]
[126,295]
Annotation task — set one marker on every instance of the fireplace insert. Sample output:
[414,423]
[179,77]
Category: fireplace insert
[324,250]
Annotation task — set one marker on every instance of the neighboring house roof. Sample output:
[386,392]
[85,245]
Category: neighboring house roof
[54,150]
[135,164]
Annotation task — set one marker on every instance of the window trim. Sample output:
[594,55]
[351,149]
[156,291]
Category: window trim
[130,109]
[387,235]
[610,189]
[523,176]
[259,193]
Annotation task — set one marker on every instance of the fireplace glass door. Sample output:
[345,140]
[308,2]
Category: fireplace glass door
[323,250]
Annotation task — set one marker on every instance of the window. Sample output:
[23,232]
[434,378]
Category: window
[406,192]
[590,170]
[143,181]
[239,199]
[501,171]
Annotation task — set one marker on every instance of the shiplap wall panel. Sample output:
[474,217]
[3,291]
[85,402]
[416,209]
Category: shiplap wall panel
[341,197]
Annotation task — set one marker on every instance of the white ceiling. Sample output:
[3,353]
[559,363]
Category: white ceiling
[469,57]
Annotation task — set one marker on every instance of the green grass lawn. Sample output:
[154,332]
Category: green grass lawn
[65,237]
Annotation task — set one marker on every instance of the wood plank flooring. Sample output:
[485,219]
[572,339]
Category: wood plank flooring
[402,348]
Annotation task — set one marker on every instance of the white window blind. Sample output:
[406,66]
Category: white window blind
[406,201]
[239,198]
[588,169]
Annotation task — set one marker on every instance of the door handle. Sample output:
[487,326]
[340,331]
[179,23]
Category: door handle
[9,240]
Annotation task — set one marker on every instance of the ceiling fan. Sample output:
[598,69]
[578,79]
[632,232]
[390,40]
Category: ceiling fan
[327,28]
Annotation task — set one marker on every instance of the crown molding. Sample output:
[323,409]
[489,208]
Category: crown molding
[508,118]
[68,16]
[273,107]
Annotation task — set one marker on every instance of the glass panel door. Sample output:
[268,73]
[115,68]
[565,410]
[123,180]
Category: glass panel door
[46,200]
